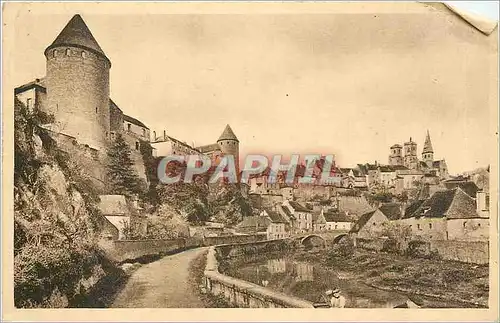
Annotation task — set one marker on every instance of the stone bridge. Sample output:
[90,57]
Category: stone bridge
[320,239]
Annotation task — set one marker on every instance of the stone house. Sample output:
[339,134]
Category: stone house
[253,224]
[302,215]
[370,225]
[449,215]
[318,221]
[116,214]
[336,220]
[277,227]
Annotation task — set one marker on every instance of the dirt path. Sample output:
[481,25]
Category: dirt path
[163,283]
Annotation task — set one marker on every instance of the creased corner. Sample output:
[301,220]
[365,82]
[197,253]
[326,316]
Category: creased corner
[484,25]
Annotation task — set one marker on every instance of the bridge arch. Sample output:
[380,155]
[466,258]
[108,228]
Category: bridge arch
[339,237]
[313,241]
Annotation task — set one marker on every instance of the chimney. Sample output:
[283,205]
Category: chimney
[154,136]
[165,135]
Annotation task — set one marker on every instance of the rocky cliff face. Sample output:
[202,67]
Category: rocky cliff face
[57,262]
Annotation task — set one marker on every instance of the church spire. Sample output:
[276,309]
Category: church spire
[428,144]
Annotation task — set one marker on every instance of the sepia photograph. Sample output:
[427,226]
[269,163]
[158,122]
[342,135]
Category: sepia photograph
[322,157]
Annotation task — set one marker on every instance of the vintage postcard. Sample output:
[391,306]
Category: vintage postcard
[200,161]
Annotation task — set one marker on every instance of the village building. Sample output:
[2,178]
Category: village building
[336,220]
[253,225]
[318,221]
[277,228]
[449,215]
[302,215]
[370,225]
[120,216]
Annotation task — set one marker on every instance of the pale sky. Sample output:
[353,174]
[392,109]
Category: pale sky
[343,84]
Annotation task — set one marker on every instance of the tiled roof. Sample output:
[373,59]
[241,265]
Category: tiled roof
[208,148]
[452,204]
[361,221]
[437,163]
[257,222]
[317,218]
[386,169]
[412,208]
[391,210]
[37,83]
[468,187]
[76,33]
[276,217]
[134,121]
[299,207]
[336,217]
[287,212]
[177,141]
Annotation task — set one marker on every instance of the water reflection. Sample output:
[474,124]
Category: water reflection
[304,280]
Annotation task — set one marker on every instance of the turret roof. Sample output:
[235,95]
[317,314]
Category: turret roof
[228,134]
[428,144]
[76,33]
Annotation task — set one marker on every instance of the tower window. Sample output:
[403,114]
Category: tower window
[96,110]
[68,52]
[465,222]
[129,127]
[84,54]
[54,53]
[430,225]
[136,145]
[143,132]
[28,103]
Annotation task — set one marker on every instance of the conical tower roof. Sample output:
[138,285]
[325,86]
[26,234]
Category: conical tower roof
[228,134]
[428,144]
[77,34]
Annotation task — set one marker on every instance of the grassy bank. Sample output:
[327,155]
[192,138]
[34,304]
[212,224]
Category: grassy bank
[441,279]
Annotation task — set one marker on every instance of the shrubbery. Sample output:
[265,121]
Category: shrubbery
[56,221]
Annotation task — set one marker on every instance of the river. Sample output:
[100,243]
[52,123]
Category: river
[285,274]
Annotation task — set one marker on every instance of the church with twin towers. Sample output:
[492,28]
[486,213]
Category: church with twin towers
[410,159]
[76,92]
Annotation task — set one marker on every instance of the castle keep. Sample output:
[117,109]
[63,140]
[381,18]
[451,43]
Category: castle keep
[75,91]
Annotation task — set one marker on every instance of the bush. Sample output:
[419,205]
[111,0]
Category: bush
[418,248]
[345,248]
[391,246]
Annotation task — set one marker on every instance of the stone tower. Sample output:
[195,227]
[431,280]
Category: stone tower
[427,152]
[77,84]
[411,160]
[396,155]
[230,145]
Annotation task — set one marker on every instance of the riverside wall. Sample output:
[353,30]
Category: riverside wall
[240,292]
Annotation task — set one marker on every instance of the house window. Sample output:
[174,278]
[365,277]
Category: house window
[84,54]
[68,52]
[418,226]
[487,202]
[129,127]
[465,222]
[136,145]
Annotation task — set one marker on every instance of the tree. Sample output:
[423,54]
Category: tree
[228,204]
[123,178]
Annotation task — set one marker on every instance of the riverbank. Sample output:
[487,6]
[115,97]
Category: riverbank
[440,279]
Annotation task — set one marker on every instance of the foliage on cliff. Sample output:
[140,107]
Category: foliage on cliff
[123,178]
[55,219]
[201,201]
